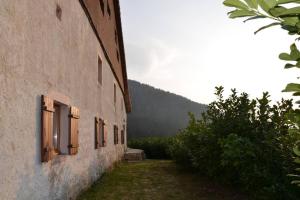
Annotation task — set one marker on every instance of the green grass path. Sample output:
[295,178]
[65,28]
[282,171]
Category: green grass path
[157,180]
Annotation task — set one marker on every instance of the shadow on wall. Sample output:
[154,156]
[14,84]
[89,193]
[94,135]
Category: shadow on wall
[40,180]
[59,178]
[33,178]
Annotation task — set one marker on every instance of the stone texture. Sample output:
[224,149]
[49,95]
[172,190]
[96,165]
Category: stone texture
[42,55]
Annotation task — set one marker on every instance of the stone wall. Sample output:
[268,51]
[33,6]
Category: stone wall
[43,55]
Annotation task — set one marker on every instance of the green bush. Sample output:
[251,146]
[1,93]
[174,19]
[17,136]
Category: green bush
[243,142]
[154,147]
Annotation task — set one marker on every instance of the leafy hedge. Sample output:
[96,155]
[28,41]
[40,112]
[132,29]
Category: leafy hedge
[283,13]
[243,142]
[154,147]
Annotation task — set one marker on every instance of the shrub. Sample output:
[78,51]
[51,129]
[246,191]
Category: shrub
[243,142]
[154,147]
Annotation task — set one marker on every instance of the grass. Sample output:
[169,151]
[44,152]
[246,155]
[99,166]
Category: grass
[155,179]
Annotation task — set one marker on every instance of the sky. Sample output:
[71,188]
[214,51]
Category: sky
[189,47]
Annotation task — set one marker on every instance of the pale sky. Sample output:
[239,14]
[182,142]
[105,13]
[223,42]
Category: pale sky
[189,47]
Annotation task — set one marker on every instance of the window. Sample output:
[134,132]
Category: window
[115,94]
[56,129]
[59,129]
[116,36]
[108,9]
[58,12]
[118,56]
[116,136]
[102,6]
[123,135]
[100,138]
[99,71]
[122,105]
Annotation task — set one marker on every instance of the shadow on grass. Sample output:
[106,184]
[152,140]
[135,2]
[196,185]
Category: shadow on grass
[156,179]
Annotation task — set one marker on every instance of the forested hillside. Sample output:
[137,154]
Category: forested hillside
[158,113]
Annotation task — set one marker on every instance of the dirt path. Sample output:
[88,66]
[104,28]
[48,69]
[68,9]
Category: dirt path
[157,180]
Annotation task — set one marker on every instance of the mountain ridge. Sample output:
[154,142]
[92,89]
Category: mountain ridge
[157,112]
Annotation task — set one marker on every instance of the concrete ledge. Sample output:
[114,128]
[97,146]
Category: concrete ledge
[134,155]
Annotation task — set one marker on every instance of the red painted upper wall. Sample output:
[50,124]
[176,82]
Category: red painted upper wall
[106,21]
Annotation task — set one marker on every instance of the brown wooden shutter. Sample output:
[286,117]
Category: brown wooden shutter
[47,150]
[115,142]
[116,137]
[105,136]
[101,133]
[122,136]
[97,133]
[73,131]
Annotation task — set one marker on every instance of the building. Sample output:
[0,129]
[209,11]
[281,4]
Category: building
[63,96]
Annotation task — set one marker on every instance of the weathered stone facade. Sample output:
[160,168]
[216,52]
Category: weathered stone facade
[49,48]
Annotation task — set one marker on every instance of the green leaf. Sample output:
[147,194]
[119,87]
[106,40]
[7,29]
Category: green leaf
[295,182]
[252,3]
[277,11]
[236,4]
[290,21]
[266,5]
[297,169]
[289,65]
[287,1]
[295,53]
[241,13]
[294,175]
[296,150]
[267,26]
[285,56]
[291,11]
[292,87]
[291,29]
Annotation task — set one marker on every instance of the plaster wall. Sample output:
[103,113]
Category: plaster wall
[42,55]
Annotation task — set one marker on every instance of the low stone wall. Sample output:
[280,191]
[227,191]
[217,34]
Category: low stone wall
[134,155]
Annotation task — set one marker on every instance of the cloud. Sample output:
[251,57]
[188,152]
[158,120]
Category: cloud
[138,59]
[150,59]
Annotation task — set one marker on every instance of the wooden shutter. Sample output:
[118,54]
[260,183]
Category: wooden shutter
[105,136]
[47,150]
[73,131]
[122,136]
[97,133]
[116,138]
[117,135]
[115,142]
[102,134]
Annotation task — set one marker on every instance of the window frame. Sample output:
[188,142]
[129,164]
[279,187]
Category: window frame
[100,140]
[115,94]
[118,54]
[69,127]
[100,71]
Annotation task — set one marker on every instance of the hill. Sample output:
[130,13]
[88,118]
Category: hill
[158,113]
